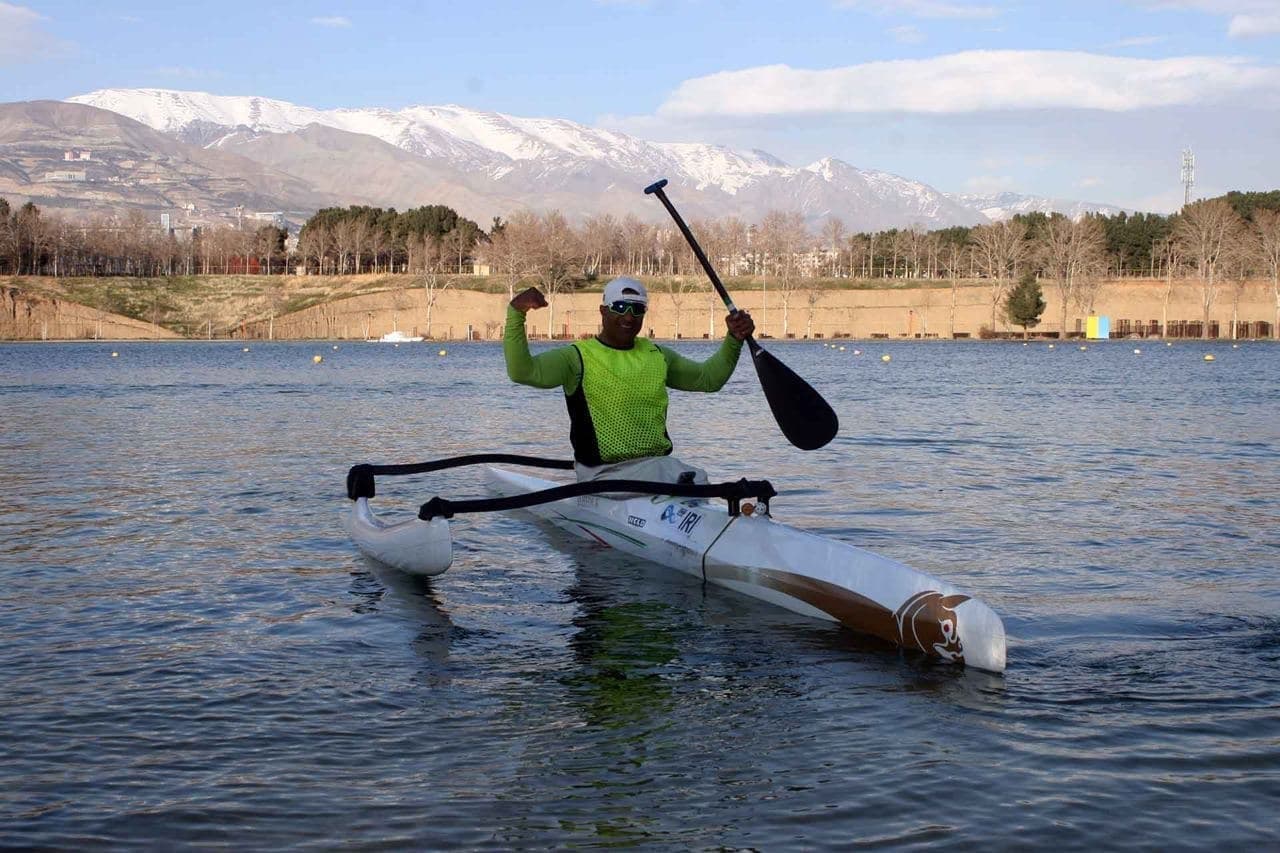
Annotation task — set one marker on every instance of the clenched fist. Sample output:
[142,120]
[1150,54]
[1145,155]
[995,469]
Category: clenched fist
[526,300]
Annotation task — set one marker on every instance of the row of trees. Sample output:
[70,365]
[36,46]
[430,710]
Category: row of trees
[35,243]
[1213,242]
[371,239]
[1209,242]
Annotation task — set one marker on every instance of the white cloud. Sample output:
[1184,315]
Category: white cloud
[22,37]
[907,34]
[1245,26]
[1090,181]
[977,81]
[923,8]
[335,21]
[1248,18]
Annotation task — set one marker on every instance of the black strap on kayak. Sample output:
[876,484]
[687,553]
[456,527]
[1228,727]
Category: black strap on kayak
[761,490]
[360,477]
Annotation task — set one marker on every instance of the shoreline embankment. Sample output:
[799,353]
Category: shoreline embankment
[363,308]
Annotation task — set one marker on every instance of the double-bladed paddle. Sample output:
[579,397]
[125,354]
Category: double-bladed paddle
[805,418]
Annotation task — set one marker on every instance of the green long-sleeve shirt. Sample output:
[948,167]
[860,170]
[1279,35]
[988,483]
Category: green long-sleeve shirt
[561,367]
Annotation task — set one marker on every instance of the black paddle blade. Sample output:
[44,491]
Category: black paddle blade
[806,419]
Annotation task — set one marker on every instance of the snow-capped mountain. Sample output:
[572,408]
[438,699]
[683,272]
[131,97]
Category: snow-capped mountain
[487,164]
[475,141]
[1001,206]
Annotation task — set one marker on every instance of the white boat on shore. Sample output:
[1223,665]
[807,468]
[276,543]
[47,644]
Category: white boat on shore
[745,550]
[399,337]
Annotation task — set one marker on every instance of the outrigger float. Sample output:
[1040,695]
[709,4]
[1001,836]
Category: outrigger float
[737,545]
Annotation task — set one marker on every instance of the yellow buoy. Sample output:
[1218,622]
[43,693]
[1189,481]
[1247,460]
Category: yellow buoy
[1137,352]
[1050,346]
[246,349]
[885,358]
[316,359]
[857,352]
[335,346]
[1208,357]
[841,349]
[443,352]
[115,355]
[1083,348]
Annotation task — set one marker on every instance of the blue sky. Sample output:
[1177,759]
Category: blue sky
[1084,100]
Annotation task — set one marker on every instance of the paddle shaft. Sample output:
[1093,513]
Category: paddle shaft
[807,420]
[656,189]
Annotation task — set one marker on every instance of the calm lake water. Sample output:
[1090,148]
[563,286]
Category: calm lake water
[194,654]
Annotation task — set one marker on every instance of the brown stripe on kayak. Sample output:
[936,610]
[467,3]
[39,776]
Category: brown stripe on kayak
[926,621]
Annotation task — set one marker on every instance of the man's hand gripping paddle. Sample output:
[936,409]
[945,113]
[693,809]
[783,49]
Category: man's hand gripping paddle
[805,418]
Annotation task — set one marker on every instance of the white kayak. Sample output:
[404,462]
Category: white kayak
[749,553]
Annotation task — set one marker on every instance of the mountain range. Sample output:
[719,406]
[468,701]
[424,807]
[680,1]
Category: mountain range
[155,149]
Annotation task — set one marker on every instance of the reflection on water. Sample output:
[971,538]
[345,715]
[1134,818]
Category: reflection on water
[620,652]
[194,653]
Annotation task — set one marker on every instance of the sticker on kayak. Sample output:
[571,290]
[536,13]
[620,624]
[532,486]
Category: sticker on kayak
[684,519]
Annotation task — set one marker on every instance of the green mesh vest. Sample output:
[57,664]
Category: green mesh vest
[619,411]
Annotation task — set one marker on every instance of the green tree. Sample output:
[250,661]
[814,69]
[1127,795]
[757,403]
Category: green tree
[1025,303]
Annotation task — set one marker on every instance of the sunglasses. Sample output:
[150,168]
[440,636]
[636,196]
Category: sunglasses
[624,307]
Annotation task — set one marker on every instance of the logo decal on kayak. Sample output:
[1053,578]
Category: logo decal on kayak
[927,621]
[684,519]
[635,521]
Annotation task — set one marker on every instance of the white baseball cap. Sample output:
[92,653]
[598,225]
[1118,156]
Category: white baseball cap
[625,290]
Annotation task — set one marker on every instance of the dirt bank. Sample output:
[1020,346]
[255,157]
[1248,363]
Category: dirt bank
[880,313]
[361,307]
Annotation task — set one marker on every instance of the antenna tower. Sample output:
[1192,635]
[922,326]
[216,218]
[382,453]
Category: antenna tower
[1188,175]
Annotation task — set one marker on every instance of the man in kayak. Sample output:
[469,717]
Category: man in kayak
[615,384]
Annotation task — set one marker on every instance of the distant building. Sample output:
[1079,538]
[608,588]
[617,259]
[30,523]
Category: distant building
[66,176]
[276,218]
[73,154]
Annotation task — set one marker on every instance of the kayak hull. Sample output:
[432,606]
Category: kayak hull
[784,566]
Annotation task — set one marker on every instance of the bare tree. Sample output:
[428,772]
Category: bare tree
[1207,230]
[784,238]
[361,236]
[1266,233]
[1074,253]
[813,295]
[735,243]
[914,245]
[1171,258]
[509,247]
[555,255]
[345,243]
[637,240]
[955,257]
[833,238]
[677,287]
[1000,248]
[601,243]
[433,283]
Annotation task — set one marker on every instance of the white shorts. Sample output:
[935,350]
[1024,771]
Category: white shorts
[660,469]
